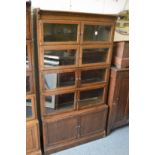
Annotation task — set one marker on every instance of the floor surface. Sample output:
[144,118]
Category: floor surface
[117,143]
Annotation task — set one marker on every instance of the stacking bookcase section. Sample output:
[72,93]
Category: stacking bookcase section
[32,125]
[74,57]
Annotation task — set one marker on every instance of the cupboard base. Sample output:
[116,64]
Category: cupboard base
[73,143]
[118,125]
[74,129]
[35,153]
[32,138]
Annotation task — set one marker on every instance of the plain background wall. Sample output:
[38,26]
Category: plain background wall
[94,6]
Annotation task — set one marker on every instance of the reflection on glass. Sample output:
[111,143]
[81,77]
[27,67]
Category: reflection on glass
[27,58]
[60,32]
[90,97]
[90,76]
[59,57]
[56,80]
[96,33]
[27,83]
[60,102]
[96,55]
[28,108]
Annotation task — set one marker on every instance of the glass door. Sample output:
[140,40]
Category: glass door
[93,76]
[60,32]
[29,83]
[89,97]
[58,57]
[59,80]
[91,55]
[96,32]
[30,110]
[59,102]
[28,56]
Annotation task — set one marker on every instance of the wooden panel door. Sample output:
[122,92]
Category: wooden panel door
[59,131]
[93,122]
[123,95]
[118,98]
[32,135]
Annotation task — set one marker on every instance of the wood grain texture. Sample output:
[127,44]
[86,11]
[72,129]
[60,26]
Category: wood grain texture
[68,128]
[32,137]
[71,130]
[121,54]
[32,126]
[118,98]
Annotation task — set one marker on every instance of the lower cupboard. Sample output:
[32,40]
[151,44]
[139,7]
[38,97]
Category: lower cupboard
[83,126]
[32,141]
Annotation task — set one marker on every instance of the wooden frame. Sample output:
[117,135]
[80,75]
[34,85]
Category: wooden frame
[108,60]
[33,100]
[42,42]
[96,23]
[62,47]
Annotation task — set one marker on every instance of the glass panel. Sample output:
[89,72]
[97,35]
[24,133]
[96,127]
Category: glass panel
[27,83]
[96,33]
[59,57]
[28,108]
[60,102]
[96,55]
[90,76]
[60,32]
[90,97]
[56,80]
[27,58]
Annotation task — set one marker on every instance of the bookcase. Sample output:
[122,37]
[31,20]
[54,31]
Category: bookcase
[74,57]
[32,127]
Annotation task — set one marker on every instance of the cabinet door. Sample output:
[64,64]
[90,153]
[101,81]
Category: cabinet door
[58,57]
[60,131]
[118,98]
[29,83]
[93,76]
[93,55]
[32,137]
[123,96]
[89,97]
[93,122]
[58,102]
[30,107]
[96,32]
[59,80]
[28,55]
[60,32]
